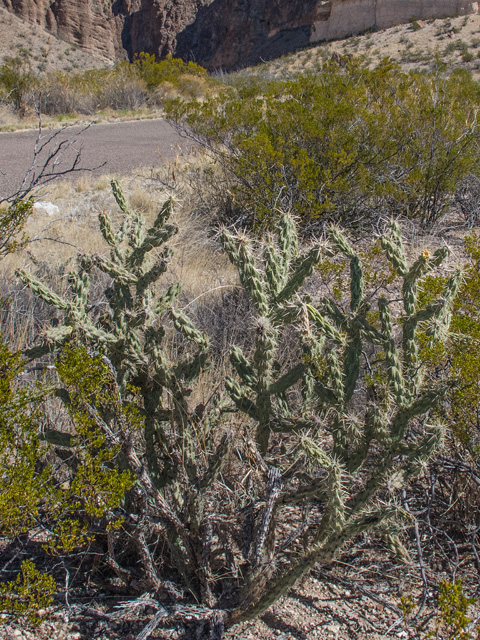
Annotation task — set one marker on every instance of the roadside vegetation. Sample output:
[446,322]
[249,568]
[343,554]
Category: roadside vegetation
[197,414]
[131,89]
[346,144]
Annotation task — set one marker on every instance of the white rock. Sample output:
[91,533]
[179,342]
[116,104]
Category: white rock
[42,206]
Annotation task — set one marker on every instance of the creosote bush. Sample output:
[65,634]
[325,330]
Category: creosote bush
[346,144]
[219,507]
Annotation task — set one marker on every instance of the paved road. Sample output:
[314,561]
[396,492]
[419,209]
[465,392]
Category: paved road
[118,148]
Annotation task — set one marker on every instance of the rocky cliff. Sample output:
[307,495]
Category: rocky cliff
[92,24]
[232,33]
[115,28]
[220,33]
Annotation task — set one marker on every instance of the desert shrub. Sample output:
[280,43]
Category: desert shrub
[22,487]
[66,495]
[17,82]
[123,89]
[28,593]
[171,70]
[63,92]
[451,621]
[65,484]
[57,96]
[346,144]
[13,217]
[126,86]
[225,487]
[460,353]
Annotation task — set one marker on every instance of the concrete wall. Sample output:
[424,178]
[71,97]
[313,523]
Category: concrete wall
[348,17]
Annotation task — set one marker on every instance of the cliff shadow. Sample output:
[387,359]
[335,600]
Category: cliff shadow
[230,34]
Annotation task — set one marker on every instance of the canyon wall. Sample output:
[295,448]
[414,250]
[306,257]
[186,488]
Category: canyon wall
[91,24]
[234,33]
[117,29]
[220,34]
[343,18]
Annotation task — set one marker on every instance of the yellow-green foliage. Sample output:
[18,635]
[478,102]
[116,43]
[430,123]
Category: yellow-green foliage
[169,70]
[96,488]
[345,143]
[67,481]
[126,86]
[451,620]
[464,351]
[22,487]
[12,222]
[16,80]
[30,591]
[459,356]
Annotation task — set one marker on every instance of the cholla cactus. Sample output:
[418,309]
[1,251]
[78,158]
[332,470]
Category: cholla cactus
[273,280]
[129,332]
[174,457]
[355,433]
[330,451]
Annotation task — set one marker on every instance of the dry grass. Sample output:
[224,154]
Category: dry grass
[198,261]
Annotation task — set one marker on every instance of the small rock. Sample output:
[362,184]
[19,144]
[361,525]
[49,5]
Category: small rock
[42,206]
[418,24]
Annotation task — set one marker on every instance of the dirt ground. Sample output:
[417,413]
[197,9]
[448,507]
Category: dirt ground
[355,598]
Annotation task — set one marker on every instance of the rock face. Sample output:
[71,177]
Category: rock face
[342,18]
[220,33]
[117,29]
[92,23]
[153,25]
[232,33]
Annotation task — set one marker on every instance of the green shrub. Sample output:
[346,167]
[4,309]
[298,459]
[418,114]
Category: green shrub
[347,144]
[460,355]
[17,81]
[12,221]
[169,70]
[30,591]
[66,483]
[451,621]
[22,488]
